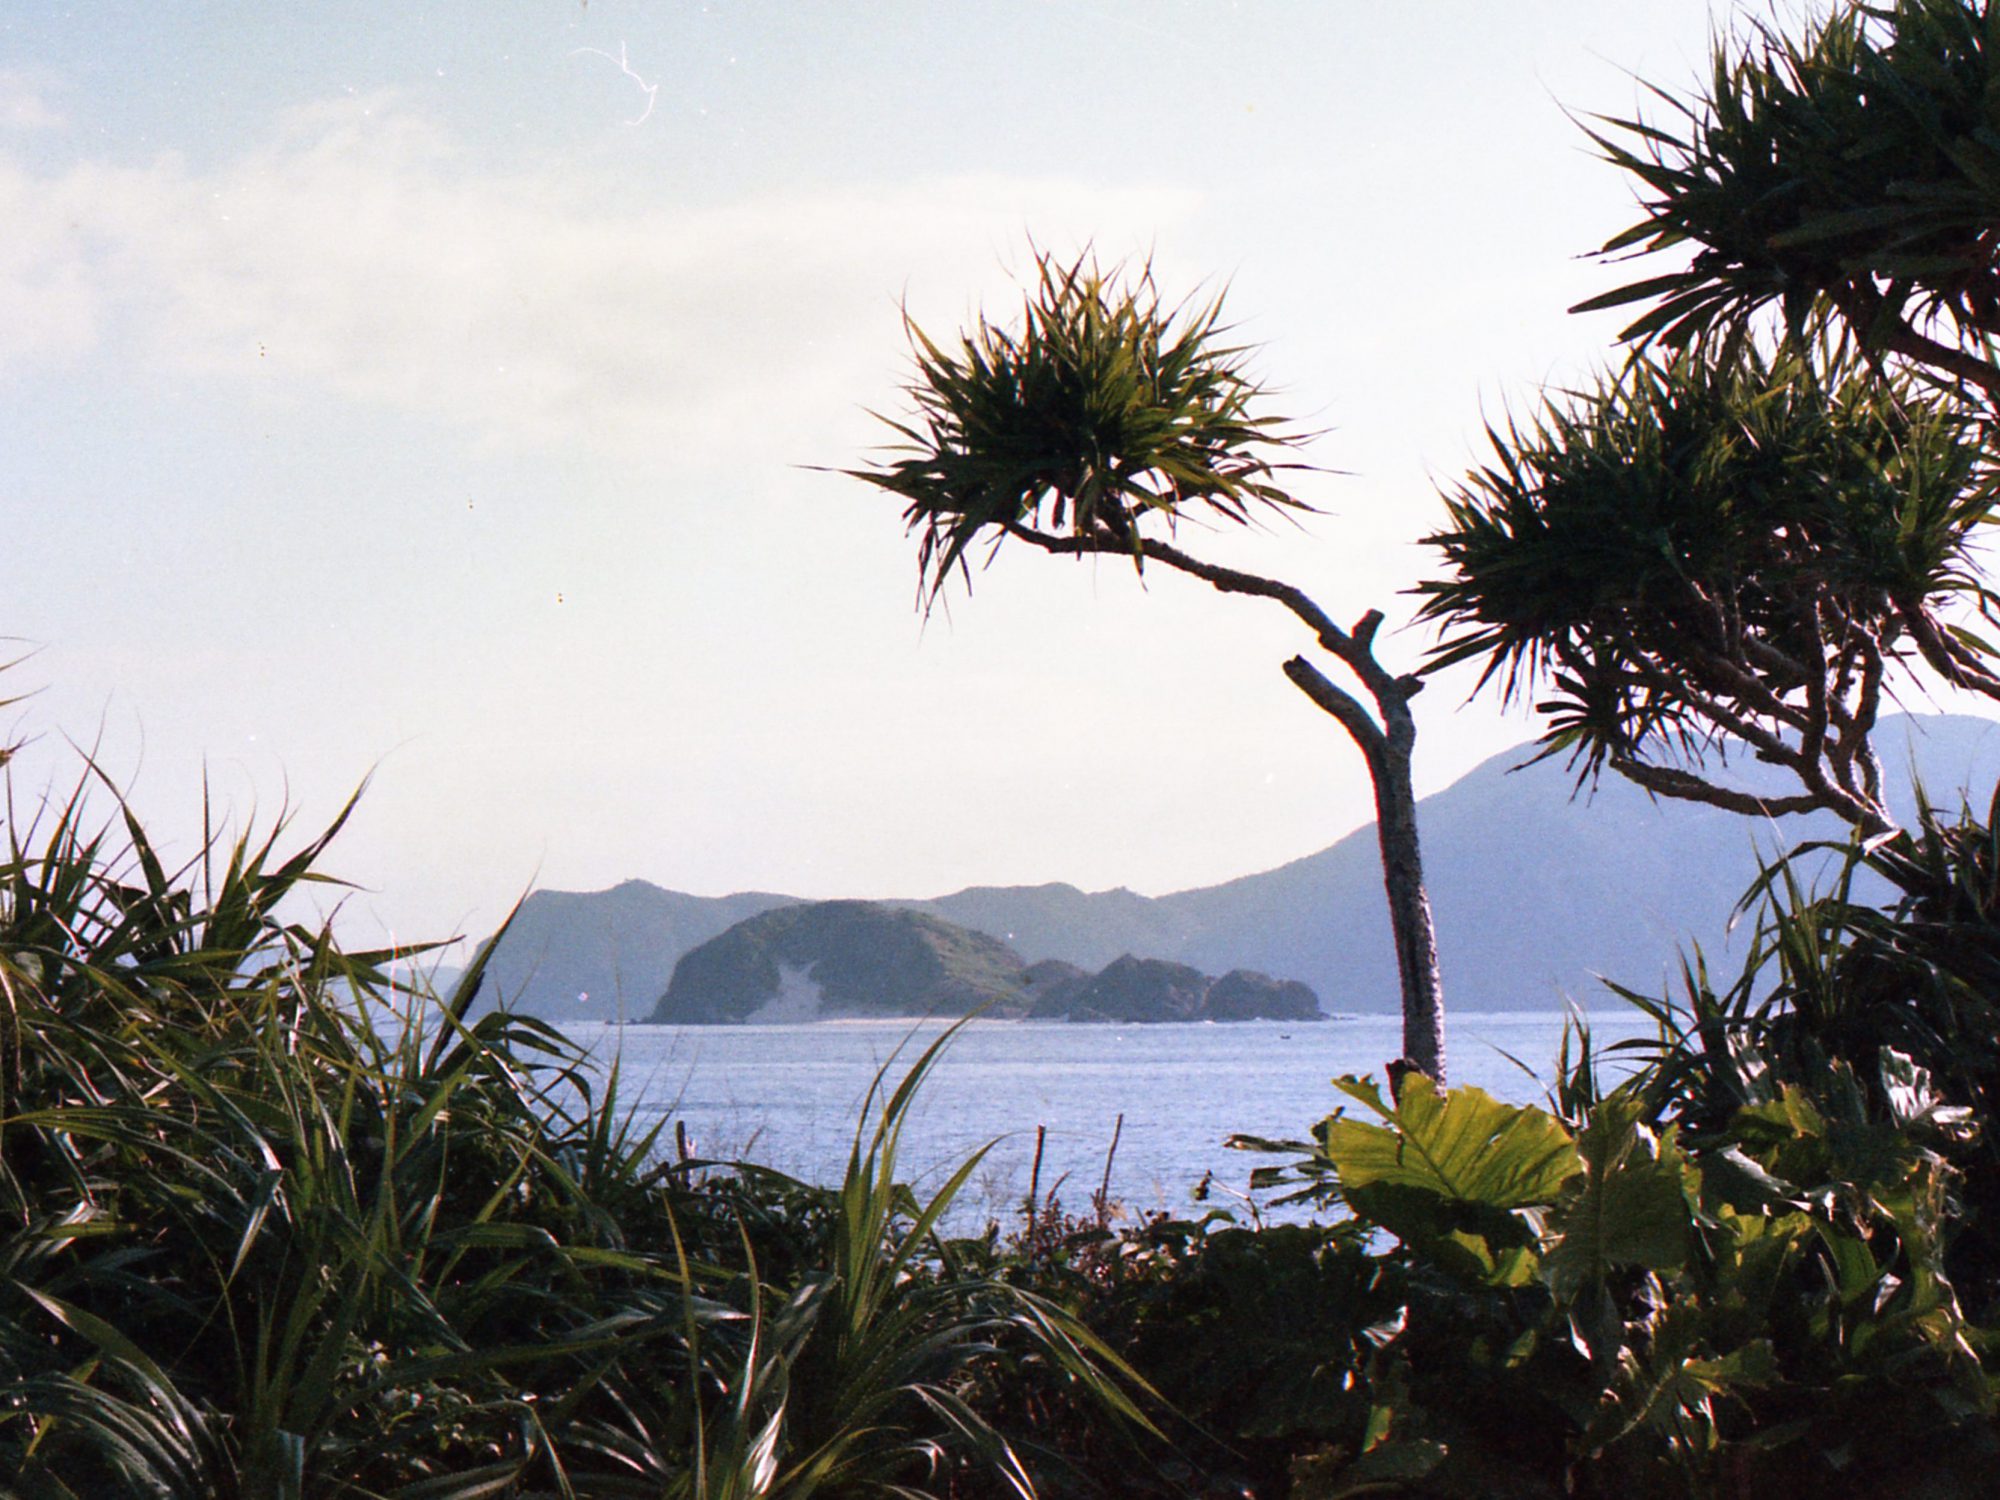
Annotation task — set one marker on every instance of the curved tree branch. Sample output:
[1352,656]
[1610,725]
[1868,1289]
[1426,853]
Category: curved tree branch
[1951,661]
[1861,304]
[1342,705]
[1668,781]
[1355,649]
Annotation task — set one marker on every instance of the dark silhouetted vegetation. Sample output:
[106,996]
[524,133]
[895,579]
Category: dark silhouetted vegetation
[273,1226]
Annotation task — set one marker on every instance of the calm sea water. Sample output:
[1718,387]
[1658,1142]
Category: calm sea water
[789,1096]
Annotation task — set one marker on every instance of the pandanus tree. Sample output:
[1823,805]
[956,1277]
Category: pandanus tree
[1095,426]
[1751,533]
[1721,551]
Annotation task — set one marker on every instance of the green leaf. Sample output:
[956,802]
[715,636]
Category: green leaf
[1968,638]
[1856,1273]
[1464,1145]
[1628,1208]
[1913,1099]
[1835,225]
[1730,1177]
[1637,291]
[1683,1389]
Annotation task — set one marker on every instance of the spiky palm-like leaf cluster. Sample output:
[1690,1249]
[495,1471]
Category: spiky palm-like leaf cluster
[1099,410]
[1714,547]
[1854,169]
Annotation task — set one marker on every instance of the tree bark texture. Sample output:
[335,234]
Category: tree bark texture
[1388,748]
[1410,910]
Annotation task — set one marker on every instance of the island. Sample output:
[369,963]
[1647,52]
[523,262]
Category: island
[833,960]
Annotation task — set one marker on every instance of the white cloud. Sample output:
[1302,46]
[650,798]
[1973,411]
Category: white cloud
[24,105]
[358,253]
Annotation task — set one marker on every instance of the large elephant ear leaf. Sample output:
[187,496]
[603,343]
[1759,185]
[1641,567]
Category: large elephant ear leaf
[1628,1206]
[1464,1145]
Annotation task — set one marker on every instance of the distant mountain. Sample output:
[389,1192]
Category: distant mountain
[1060,921]
[1536,891]
[607,955]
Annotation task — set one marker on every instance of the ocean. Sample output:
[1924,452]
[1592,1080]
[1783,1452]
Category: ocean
[788,1096]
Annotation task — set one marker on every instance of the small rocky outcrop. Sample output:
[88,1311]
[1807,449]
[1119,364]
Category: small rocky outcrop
[1141,989]
[1051,987]
[1246,995]
[1146,990]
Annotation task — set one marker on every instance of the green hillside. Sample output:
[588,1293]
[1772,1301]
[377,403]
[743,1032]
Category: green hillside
[842,958]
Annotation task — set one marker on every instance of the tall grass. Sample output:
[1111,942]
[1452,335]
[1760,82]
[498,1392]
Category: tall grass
[271,1227]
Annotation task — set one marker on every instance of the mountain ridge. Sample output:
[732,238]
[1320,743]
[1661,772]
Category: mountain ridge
[1536,892]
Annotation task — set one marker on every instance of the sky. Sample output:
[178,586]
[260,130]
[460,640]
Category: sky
[441,397]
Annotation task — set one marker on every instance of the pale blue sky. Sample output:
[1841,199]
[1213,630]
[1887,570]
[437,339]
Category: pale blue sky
[411,390]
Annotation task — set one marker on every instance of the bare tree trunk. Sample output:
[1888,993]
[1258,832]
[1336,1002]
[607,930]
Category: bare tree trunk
[1409,903]
[1387,746]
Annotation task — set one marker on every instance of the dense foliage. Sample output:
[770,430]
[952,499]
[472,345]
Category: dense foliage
[1763,1264]
[258,1243]
[1766,527]
[271,1227]
[1720,549]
